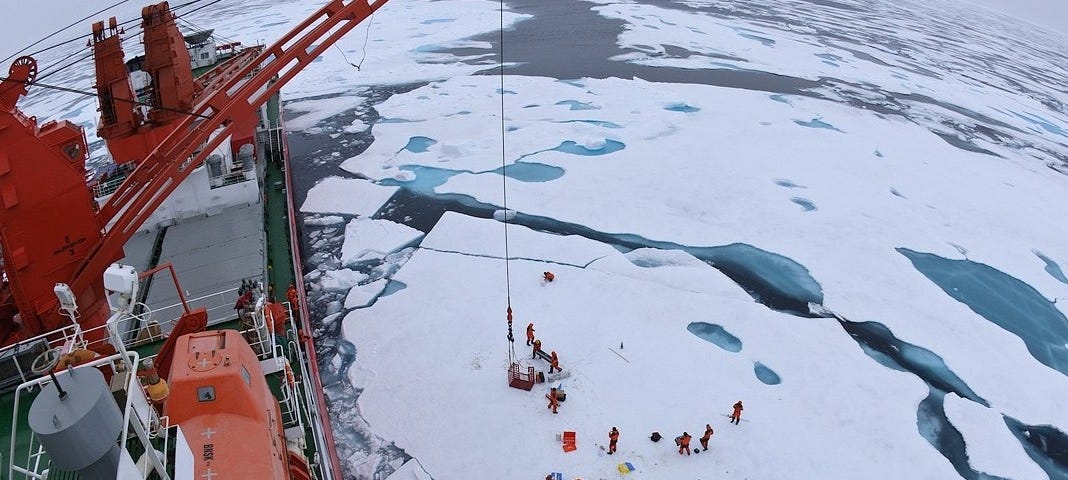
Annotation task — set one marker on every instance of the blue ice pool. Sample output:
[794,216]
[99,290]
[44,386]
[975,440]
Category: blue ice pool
[576,105]
[765,374]
[715,334]
[778,97]
[681,107]
[879,343]
[805,203]
[772,279]
[419,144]
[426,178]
[392,287]
[816,123]
[1002,299]
[610,146]
[599,123]
[767,42]
[1052,268]
[531,172]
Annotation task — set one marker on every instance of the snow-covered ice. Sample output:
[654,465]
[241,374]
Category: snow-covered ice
[362,295]
[323,220]
[337,280]
[991,448]
[670,380]
[372,239]
[685,167]
[472,236]
[346,196]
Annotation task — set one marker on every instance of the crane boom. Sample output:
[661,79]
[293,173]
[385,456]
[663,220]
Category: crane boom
[227,103]
[213,119]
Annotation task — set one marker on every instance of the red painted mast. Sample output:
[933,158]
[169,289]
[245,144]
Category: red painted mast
[119,114]
[48,222]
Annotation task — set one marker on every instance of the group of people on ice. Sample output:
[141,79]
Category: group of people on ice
[681,441]
[555,396]
[554,360]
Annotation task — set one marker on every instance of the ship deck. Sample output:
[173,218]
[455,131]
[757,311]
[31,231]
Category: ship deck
[211,256]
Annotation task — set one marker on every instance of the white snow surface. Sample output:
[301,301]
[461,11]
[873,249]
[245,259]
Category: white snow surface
[370,239]
[311,112]
[731,167]
[671,381]
[347,196]
[706,177]
[459,233]
[362,295]
[411,470]
[992,449]
[343,279]
[323,220]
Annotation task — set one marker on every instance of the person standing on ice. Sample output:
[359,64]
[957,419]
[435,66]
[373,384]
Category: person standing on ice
[706,436]
[553,401]
[737,415]
[613,437]
[530,333]
[548,277]
[554,363]
[537,348]
[684,443]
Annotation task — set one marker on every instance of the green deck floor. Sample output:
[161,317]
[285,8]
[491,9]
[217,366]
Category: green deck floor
[276,222]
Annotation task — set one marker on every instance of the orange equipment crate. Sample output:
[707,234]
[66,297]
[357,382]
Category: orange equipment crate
[569,441]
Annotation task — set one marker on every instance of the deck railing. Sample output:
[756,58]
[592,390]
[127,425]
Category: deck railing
[70,336]
[309,405]
[139,419]
[143,429]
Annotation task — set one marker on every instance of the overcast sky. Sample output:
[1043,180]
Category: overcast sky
[26,21]
[1047,13]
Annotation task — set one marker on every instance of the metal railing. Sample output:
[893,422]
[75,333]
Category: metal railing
[104,187]
[68,338]
[309,405]
[141,423]
[232,178]
[138,416]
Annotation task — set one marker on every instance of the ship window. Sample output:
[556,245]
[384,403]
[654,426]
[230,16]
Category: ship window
[203,55]
[245,375]
[205,394]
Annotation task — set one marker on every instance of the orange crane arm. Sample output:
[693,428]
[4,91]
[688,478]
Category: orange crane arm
[228,104]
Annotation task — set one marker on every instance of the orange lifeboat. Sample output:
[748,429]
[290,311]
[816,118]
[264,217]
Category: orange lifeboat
[220,399]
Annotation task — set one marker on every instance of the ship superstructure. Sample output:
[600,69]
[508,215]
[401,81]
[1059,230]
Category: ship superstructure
[204,374]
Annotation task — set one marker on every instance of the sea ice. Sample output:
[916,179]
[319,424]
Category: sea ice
[347,196]
[372,239]
[362,295]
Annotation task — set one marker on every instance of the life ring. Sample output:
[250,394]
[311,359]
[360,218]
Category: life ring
[46,361]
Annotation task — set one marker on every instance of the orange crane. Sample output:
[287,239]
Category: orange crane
[51,230]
